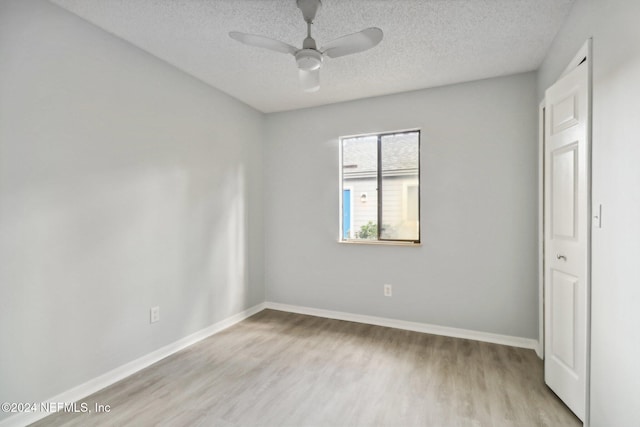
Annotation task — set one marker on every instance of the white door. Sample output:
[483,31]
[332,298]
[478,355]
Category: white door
[566,250]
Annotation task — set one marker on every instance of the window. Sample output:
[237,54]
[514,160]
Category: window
[380,187]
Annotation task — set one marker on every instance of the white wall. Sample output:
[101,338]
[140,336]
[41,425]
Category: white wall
[615,347]
[124,183]
[476,268]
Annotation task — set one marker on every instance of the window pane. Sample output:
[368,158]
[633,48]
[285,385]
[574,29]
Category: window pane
[400,194]
[359,184]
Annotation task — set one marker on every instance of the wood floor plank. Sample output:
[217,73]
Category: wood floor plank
[285,369]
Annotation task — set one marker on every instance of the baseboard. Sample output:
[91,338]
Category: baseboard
[527,343]
[539,350]
[77,393]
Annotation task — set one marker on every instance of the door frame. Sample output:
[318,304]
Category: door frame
[541,206]
[584,54]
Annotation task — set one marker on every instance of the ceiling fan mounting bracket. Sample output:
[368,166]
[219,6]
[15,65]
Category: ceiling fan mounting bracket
[309,9]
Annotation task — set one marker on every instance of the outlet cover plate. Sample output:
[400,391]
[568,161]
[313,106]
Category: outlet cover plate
[155,314]
[388,290]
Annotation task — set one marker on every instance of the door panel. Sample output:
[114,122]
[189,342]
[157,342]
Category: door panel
[566,245]
[563,301]
[564,114]
[346,214]
[564,191]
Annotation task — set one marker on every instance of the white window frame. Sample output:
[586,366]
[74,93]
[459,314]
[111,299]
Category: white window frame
[342,187]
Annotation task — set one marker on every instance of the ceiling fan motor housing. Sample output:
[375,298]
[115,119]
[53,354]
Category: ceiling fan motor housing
[308,59]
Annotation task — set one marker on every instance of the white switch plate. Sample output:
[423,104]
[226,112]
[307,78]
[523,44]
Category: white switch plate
[155,314]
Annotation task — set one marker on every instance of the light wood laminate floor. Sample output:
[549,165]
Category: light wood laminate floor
[284,369]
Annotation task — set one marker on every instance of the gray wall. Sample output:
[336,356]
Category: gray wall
[124,183]
[476,268]
[615,347]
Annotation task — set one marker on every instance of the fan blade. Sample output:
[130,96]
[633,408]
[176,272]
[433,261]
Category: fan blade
[353,43]
[310,80]
[264,42]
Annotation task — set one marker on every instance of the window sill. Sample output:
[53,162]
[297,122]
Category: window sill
[378,243]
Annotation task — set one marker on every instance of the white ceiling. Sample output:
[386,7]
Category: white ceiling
[426,43]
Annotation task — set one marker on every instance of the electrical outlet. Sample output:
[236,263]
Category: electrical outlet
[388,290]
[155,314]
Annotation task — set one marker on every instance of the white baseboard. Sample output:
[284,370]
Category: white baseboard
[83,390]
[539,350]
[527,343]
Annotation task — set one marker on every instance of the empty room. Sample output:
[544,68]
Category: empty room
[319,213]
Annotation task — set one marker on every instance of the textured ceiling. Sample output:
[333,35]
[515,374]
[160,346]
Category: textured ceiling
[426,43]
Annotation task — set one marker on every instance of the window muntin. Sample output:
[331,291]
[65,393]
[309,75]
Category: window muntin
[382,173]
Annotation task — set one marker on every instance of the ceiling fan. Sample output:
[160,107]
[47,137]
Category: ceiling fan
[309,58]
